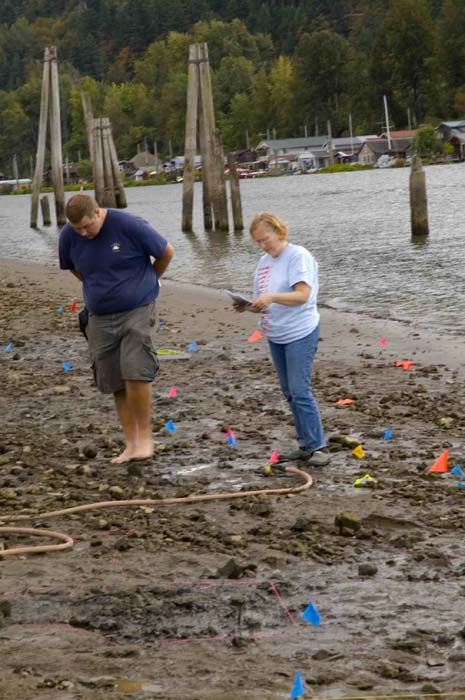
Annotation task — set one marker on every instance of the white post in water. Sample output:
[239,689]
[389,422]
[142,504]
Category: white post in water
[418,199]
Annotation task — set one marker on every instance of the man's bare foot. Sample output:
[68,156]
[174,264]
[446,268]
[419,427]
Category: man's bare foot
[125,456]
[144,450]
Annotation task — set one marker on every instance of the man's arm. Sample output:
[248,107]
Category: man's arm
[76,274]
[162,263]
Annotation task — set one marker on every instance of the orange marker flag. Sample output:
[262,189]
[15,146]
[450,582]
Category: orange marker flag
[344,402]
[405,364]
[172,392]
[256,335]
[440,465]
[73,305]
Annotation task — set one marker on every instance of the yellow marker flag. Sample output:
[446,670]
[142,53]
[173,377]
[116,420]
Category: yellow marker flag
[358,452]
[365,480]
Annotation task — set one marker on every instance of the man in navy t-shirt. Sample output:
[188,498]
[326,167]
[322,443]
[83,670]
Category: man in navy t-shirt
[111,252]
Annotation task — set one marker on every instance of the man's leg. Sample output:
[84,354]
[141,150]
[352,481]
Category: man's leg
[134,407]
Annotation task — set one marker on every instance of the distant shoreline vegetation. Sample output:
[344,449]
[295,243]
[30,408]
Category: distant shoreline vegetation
[162,179]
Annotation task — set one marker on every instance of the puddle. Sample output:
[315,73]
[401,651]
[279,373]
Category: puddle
[192,470]
[123,685]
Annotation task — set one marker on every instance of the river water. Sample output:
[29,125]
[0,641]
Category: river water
[356,224]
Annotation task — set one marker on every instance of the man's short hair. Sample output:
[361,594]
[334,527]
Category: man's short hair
[79,206]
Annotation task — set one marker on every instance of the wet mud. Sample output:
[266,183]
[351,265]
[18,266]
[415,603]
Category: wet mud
[203,601]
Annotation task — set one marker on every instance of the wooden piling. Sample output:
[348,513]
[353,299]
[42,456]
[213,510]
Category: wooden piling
[236,204]
[120,194]
[55,136]
[190,144]
[206,160]
[110,199]
[89,121]
[45,208]
[207,127]
[97,163]
[221,200]
[418,199]
[40,154]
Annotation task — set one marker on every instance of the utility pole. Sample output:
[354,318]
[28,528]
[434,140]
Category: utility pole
[386,114]
[351,135]
[15,169]
[330,144]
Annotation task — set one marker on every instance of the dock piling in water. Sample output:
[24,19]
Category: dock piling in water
[418,199]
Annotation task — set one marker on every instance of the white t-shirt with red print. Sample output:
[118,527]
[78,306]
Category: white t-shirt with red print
[284,324]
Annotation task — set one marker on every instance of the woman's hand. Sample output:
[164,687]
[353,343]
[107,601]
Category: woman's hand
[262,302]
[239,307]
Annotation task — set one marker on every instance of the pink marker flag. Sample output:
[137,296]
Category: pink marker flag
[274,457]
[172,392]
[382,341]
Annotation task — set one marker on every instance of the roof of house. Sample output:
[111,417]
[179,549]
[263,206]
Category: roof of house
[405,134]
[300,142]
[144,159]
[460,135]
[380,146]
[347,144]
[453,125]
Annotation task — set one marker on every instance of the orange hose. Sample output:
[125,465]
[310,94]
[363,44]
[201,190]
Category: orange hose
[68,542]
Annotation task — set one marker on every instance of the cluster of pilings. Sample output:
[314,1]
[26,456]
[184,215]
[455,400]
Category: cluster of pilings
[49,107]
[200,122]
[109,190]
[108,183]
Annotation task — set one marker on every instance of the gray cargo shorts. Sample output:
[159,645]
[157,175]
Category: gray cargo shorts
[122,347]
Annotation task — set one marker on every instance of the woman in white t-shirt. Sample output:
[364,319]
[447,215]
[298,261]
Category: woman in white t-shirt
[285,294]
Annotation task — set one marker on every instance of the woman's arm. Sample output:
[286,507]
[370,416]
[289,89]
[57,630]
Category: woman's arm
[299,296]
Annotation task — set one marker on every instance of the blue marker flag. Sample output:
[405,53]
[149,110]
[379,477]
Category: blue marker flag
[298,687]
[388,434]
[161,324]
[66,366]
[9,347]
[461,483]
[170,427]
[192,347]
[231,440]
[457,471]
[311,615]
[60,309]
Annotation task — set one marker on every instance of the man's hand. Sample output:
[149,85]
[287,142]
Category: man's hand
[161,264]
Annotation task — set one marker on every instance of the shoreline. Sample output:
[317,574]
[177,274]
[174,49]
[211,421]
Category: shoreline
[345,335]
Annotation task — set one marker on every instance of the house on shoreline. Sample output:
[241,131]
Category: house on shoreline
[453,133]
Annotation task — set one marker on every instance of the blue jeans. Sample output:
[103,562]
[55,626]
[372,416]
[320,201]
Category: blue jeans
[293,363]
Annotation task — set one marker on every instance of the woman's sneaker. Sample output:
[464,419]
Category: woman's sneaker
[320,458]
[299,455]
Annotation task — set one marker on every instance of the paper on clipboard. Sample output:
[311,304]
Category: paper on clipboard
[238,298]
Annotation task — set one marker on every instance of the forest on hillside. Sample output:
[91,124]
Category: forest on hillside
[279,66]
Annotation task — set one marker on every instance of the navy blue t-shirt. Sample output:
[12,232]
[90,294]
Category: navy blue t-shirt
[116,268]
